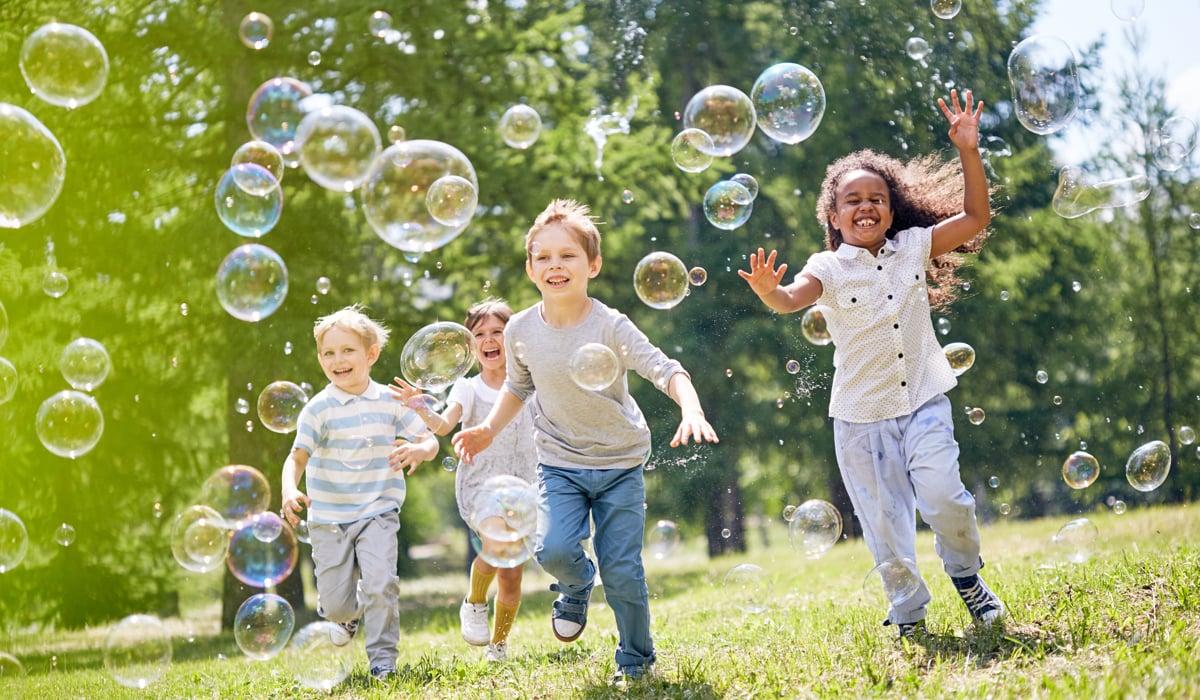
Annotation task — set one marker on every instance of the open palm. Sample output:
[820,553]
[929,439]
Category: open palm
[964,123]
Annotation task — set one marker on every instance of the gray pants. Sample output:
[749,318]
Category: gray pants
[892,468]
[355,568]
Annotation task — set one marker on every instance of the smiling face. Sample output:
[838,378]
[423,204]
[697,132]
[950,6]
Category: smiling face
[558,265]
[346,360]
[489,342]
[863,209]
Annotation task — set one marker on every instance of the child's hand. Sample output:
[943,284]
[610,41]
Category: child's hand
[470,442]
[964,126]
[763,277]
[410,395]
[695,427]
[406,456]
[293,502]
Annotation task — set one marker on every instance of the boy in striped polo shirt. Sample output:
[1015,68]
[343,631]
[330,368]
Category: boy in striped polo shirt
[343,440]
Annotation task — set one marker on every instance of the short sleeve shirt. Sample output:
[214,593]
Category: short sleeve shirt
[887,359]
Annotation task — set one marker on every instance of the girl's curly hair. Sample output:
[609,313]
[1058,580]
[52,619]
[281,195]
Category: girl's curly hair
[923,191]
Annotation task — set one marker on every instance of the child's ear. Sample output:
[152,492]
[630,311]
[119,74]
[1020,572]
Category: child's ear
[373,353]
[833,223]
[594,267]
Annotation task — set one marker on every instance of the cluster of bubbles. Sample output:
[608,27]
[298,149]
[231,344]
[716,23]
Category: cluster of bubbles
[814,327]
[663,539]
[505,515]
[436,356]
[1076,195]
[813,527]
[661,280]
[594,367]
[960,356]
[279,406]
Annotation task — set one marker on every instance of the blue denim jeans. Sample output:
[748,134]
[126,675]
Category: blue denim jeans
[615,499]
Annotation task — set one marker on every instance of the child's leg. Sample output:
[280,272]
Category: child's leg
[871,459]
[620,521]
[560,553]
[941,497]
[376,547]
[336,572]
[482,574]
[508,601]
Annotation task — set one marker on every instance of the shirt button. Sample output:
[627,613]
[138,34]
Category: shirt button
[916,277]
[895,325]
[879,267]
[889,296]
[903,383]
[853,300]
[901,356]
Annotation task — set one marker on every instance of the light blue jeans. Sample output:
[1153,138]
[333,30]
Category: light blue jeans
[893,468]
[615,499]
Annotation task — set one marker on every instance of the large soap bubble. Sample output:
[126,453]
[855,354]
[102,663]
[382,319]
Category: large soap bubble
[728,205]
[814,326]
[84,363]
[337,146]
[64,65]
[1076,540]
[691,150]
[137,651]
[252,282]
[394,194]
[8,380]
[747,586]
[199,540]
[1148,466]
[505,509]
[660,280]
[898,578]
[279,406]
[916,48]
[1076,195]
[945,9]
[34,167]
[10,666]
[747,181]
[1080,470]
[1045,85]
[789,101]
[726,114]
[14,541]
[594,367]
[520,126]
[263,625]
[265,156]
[248,200]
[663,539]
[437,356]
[69,424]
[502,554]
[1172,142]
[236,492]
[315,661]
[452,200]
[257,563]
[274,112]
[814,528]
[960,356]
[3,325]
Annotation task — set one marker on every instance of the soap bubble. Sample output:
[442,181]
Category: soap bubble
[943,326]
[263,624]
[315,661]
[436,356]
[84,364]
[8,380]
[994,146]
[64,65]
[256,31]
[945,9]
[1005,509]
[1119,507]
[1057,400]
[1045,86]
[1127,10]
[302,532]
[520,126]
[267,529]
[814,326]
[692,150]
[815,528]
[697,276]
[337,147]
[594,367]
[248,200]
[748,587]
[726,533]
[279,406]
[257,563]
[70,423]
[1041,376]
[1076,540]
[916,48]
[792,367]
[1080,470]
[505,514]
[137,651]
[660,280]
[265,156]
[502,554]
[14,541]
[274,112]
[1194,220]
[1148,466]
[1177,130]
[994,482]
[55,284]
[451,200]
[64,535]
[199,540]
[789,512]
[899,578]
[394,195]
[1187,435]
[10,667]
[236,492]
[725,114]
[789,101]
[976,415]
[960,356]
[748,182]
[449,464]
[1076,195]
[380,24]
[3,325]
[34,167]
[252,282]
[314,58]
[396,133]
[663,539]
[728,205]
[627,196]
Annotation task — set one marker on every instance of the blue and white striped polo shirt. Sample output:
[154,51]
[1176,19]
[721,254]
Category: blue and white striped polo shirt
[348,438]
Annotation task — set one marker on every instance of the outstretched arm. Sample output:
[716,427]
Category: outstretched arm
[470,442]
[764,279]
[976,213]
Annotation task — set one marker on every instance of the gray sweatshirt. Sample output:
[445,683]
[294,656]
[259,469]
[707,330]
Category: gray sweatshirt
[576,427]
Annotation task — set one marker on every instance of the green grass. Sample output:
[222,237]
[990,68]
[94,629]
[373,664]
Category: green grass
[1124,624]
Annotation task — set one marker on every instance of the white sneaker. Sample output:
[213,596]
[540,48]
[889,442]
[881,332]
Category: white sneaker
[495,653]
[473,620]
[343,632]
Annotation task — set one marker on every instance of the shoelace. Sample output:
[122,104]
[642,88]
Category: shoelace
[978,598]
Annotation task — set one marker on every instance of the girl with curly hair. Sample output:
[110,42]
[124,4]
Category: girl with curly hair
[892,232]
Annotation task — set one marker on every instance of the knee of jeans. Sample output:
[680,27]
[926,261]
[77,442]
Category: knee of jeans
[624,581]
[556,555]
[337,608]
[379,589]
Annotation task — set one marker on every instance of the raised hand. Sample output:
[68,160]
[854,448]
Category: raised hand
[694,427]
[470,442]
[763,278]
[409,394]
[964,124]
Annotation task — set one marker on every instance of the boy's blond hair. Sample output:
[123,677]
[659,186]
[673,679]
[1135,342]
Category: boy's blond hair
[497,308]
[573,216]
[354,320]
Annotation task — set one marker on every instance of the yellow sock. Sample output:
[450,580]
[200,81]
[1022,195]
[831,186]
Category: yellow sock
[480,582]
[505,615]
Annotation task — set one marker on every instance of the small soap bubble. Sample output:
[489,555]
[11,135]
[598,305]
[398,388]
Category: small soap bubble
[248,200]
[789,512]
[1042,377]
[55,284]
[945,9]
[916,48]
[697,276]
[898,579]
[726,114]
[520,126]
[236,492]
[436,356]
[337,147]
[748,182]
[379,24]
[1080,470]
[815,528]
[594,367]
[728,372]
[252,282]
[64,65]
[450,464]
[263,624]
[157,510]
[265,156]
[976,415]
[789,101]
[242,406]
[314,58]
[994,482]
[274,112]
[69,424]
[792,367]
[267,529]
[747,586]
[287,348]
[279,406]
[1004,295]
[1148,466]
[663,539]
[315,661]
[943,326]
[183,309]
[627,196]
[1045,83]
[728,205]
[256,31]
[260,563]
[451,201]
[1076,286]
[199,541]
[249,426]
[84,363]
[814,326]
[660,280]
[726,533]
[396,133]
[1057,400]
[691,150]
[34,167]
[1187,435]
[64,535]
[302,532]
[1118,507]
[137,651]
[1005,509]
[960,356]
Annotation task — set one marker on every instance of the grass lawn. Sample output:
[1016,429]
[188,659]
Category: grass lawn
[1125,623]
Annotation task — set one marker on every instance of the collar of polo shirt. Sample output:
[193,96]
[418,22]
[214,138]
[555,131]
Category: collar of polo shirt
[373,392]
[848,251]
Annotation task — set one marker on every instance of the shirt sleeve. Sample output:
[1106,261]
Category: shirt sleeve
[636,352]
[820,266]
[409,425]
[518,380]
[463,395]
[920,238]
[308,430]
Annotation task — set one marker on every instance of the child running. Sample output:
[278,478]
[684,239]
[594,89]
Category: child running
[887,226]
[591,445]
[512,453]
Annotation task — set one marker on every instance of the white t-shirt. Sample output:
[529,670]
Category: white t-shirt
[887,359]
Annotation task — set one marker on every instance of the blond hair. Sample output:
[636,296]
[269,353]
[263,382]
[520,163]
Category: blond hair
[574,217]
[354,320]
[497,308]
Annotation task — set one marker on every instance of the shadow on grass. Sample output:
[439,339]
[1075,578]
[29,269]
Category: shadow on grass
[92,657]
[691,684]
[985,647]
